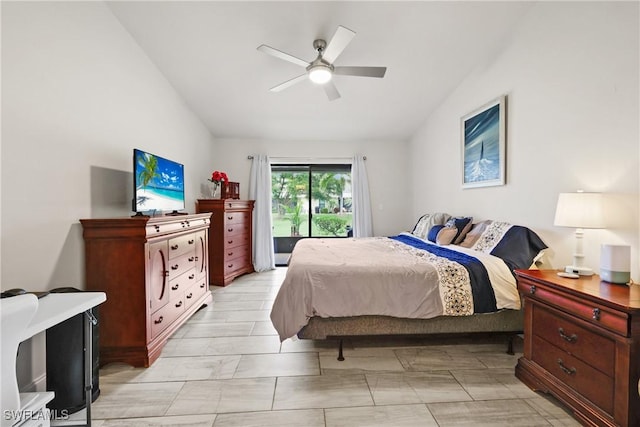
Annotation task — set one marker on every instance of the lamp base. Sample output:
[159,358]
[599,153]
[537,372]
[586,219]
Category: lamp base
[582,271]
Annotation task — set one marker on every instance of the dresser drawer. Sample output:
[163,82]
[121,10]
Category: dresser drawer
[193,293]
[236,218]
[591,348]
[180,265]
[181,283]
[233,230]
[181,245]
[163,318]
[585,379]
[235,252]
[236,263]
[236,240]
[593,312]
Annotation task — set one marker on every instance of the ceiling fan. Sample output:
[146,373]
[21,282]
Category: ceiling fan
[321,69]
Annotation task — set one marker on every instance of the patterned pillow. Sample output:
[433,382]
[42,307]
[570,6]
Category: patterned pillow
[474,234]
[426,221]
[463,225]
[420,229]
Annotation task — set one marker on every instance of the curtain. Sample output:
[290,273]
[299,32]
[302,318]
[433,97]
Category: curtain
[260,191]
[362,223]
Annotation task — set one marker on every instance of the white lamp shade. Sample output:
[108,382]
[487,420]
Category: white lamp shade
[580,210]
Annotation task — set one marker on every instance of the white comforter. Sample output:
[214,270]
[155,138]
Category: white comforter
[379,276]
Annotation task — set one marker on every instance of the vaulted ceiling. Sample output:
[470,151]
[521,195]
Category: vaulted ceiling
[207,51]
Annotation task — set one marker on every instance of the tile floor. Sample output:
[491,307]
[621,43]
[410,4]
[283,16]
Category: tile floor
[226,367]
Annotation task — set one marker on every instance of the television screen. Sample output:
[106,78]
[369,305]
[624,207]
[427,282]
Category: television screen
[158,183]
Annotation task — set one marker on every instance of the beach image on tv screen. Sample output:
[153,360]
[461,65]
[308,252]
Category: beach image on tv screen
[159,183]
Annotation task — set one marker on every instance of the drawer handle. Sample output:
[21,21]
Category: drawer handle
[191,242]
[165,273]
[229,253]
[202,286]
[196,258]
[567,338]
[229,230]
[175,267]
[230,217]
[175,287]
[190,295]
[157,322]
[174,247]
[191,259]
[179,304]
[533,289]
[157,227]
[229,265]
[596,314]
[229,241]
[568,371]
[191,276]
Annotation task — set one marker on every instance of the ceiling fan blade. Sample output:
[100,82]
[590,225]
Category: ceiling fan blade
[341,38]
[288,83]
[361,71]
[281,55]
[331,91]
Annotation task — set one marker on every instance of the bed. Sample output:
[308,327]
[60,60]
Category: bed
[446,276]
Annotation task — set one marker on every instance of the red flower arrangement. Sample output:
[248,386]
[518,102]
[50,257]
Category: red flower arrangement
[218,176]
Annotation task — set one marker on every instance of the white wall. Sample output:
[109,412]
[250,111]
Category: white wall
[78,95]
[387,171]
[570,73]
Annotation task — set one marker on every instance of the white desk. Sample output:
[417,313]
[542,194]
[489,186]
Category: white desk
[56,308]
[50,310]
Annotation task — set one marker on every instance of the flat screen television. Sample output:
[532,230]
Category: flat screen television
[158,184]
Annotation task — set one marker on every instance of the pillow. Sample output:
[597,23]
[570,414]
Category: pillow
[446,236]
[474,234]
[433,233]
[442,235]
[420,229]
[463,225]
[518,246]
[426,221]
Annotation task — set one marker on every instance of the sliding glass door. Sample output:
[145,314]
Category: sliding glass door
[310,201]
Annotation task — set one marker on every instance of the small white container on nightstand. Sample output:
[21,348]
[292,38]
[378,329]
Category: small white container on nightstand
[615,263]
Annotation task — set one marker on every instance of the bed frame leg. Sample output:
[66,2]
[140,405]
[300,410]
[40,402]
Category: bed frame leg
[340,356]
[510,345]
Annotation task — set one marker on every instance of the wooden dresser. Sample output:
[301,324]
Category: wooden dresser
[230,240]
[582,345]
[154,271]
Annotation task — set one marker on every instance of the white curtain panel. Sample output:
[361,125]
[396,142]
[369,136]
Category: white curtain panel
[260,191]
[362,223]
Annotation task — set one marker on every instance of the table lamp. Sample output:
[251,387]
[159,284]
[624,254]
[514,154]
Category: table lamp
[579,210]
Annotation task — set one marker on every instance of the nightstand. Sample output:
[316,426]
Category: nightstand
[582,345]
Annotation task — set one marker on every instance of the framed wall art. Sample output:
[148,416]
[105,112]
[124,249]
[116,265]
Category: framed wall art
[483,145]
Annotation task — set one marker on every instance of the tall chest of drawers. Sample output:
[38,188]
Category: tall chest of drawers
[230,242]
[582,345]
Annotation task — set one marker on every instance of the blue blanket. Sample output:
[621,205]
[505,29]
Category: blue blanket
[484,299]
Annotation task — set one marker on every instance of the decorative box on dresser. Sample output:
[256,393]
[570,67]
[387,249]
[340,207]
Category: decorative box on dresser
[154,271]
[230,238]
[582,345]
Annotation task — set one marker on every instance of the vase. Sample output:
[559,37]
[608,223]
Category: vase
[214,189]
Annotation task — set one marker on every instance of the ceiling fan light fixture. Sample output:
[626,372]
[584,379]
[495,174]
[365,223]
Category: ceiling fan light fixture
[320,74]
